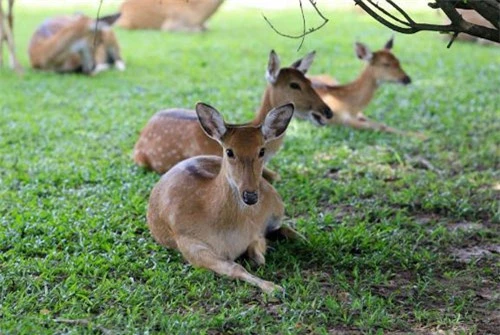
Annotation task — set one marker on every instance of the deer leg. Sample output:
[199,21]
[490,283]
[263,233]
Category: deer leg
[361,122]
[112,48]
[200,254]
[257,250]
[290,233]
[270,175]
[6,35]
[83,49]
[385,128]
[285,232]
[101,59]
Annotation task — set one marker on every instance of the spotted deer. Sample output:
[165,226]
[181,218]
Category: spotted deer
[75,43]
[167,15]
[215,209]
[349,100]
[173,135]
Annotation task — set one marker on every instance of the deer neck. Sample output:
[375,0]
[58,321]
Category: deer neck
[358,94]
[265,107]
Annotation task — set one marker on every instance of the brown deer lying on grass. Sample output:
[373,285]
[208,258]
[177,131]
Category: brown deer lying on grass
[75,43]
[349,100]
[6,34]
[173,135]
[168,15]
[215,209]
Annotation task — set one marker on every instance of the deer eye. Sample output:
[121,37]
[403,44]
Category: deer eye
[262,152]
[295,86]
[386,64]
[229,153]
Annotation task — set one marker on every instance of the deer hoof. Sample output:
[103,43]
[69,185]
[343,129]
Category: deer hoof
[271,288]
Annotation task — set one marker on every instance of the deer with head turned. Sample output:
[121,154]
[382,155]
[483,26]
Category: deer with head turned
[215,209]
[167,15]
[76,43]
[174,135]
[7,35]
[349,100]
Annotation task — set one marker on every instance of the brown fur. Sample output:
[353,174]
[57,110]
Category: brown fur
[71,44]
[7,35]
[168,15]
[349,100]
[173,135]
[197,207]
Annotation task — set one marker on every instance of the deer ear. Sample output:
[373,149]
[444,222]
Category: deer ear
[277,121]
[211,121]
[363,52]
[305,63]
[273,67]
[389,44]
[109,19]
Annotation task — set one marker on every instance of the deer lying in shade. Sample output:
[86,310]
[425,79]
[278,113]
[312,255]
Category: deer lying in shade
[215,209]
[167,15]
[75,43]
[349,100]
[173,135]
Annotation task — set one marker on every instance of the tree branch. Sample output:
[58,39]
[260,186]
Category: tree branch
[388,13]
[457,25]
[305,31]
[491,12]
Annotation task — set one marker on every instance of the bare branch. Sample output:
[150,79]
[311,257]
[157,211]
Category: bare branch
[457,25]
[96,23]
[303,25]
[383,10]
[400,10]
[452,40]
[305,31]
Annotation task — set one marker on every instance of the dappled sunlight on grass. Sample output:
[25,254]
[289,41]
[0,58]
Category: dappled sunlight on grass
[388,218]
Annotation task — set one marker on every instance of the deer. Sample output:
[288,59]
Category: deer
[167,15]
[76,44]
[173,135]
[349,100]
[7,35]
[214,209]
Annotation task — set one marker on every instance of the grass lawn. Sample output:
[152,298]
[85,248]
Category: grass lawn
[403,234]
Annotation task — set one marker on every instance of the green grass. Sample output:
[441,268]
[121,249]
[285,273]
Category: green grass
[385,230]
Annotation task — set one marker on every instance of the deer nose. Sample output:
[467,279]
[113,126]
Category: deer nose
[328,113]
[406,80]
[250,198]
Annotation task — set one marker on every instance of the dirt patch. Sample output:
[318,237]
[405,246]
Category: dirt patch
[475,253]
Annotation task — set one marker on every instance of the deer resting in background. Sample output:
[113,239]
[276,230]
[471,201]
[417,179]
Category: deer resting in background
[173,135]
[7,35]
[215,209]
[167,15]
[349,100]
[76,43]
